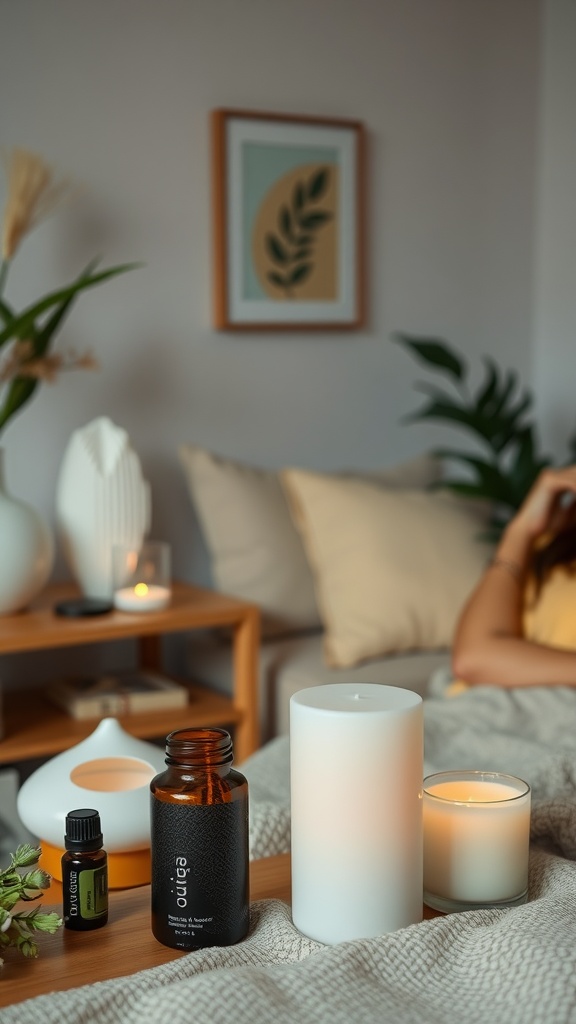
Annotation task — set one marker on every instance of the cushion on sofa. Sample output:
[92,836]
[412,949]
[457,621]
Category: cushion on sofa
[392,568]
[295,662]
[256,552]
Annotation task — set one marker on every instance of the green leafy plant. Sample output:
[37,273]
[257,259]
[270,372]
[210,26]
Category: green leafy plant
[496,415]
[20,928]
[291,247]
[26,337]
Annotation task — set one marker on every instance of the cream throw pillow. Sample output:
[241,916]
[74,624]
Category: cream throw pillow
[256,552]
[392,568]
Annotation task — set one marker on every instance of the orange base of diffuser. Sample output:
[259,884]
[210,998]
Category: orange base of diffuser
[125,870]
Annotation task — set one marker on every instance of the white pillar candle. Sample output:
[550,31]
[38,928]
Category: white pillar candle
[476,839]
[356,753]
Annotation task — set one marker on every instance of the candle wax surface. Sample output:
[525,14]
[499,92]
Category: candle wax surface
[473,791]
[141,598]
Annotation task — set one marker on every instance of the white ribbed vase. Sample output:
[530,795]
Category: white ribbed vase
[102,500]
[26,551]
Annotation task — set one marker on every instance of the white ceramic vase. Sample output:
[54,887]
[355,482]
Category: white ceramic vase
[26,551]
[102,500]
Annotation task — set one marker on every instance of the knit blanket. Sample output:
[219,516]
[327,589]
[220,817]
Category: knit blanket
[480,967]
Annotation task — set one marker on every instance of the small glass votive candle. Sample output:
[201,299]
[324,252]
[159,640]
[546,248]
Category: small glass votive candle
[476,840]
[141,576]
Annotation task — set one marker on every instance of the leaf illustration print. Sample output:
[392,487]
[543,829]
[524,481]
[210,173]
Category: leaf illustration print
[295,236]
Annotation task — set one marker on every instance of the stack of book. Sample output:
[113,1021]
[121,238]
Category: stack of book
[121,694]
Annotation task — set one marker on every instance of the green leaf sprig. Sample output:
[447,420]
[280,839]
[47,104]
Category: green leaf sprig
[496,415]
[291,247]
[20,928]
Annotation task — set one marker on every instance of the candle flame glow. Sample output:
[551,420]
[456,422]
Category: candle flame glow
[141,590]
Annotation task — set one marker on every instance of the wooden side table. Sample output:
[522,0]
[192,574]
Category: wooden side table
[124,945]
[34,727]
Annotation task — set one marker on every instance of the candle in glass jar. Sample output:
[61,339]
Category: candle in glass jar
[141,598]
[476,840]
[141,576]
[356,754]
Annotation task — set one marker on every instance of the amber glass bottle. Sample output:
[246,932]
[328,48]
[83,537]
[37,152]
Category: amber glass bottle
[84,872]
[199,843]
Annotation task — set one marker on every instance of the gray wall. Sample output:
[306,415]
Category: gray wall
[555,249]
[117,94]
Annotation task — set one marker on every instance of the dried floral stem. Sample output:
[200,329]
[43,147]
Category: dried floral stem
[33,193]
[21,361]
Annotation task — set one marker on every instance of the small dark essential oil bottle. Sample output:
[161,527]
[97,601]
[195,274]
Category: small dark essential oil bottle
[84,872]
[199,843]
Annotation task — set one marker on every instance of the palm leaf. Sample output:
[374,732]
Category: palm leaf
[20,392]
[23,325]
[490,482]
[486,395]
[434,353]
[497,416]
[21,389]
[465,488]
[572,447]
[526,464]
[6,313]
[442,407]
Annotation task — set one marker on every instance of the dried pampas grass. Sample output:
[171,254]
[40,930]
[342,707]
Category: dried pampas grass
[33,193]
[22,361]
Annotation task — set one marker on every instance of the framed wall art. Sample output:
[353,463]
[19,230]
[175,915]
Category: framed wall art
[288,221]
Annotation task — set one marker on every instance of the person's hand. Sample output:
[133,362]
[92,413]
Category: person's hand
[550,505]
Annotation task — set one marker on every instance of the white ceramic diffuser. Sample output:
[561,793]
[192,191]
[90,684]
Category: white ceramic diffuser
[110,771]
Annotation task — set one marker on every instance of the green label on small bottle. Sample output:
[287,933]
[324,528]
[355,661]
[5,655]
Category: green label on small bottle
[93,893]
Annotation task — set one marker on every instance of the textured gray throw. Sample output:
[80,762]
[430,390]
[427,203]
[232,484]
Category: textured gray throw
[483,967]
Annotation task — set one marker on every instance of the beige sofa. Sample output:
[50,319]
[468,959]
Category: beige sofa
[360,577]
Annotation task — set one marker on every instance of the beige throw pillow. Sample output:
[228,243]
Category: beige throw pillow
[392,568]
[256,552]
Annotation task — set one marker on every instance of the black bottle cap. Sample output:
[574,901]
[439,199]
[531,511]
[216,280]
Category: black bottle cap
[83,830]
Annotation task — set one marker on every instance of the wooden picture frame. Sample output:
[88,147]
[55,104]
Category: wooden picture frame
[288,222]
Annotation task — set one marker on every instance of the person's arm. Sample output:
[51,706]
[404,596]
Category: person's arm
[489,646]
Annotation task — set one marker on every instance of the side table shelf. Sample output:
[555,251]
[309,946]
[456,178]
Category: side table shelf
[35,727]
